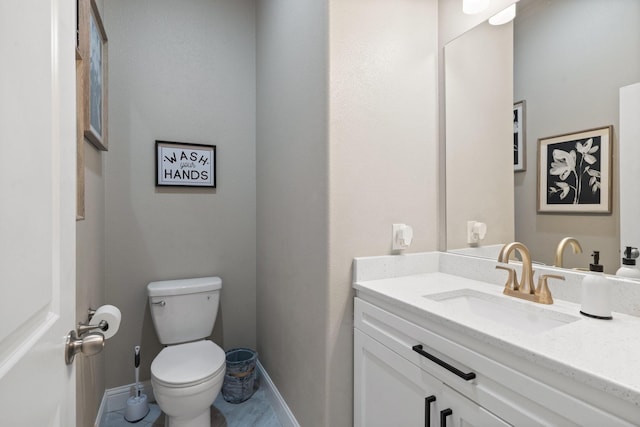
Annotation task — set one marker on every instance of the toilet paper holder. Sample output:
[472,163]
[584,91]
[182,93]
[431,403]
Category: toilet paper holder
[83,328]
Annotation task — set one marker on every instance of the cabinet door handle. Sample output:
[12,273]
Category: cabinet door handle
[464,375]
[427,409]
[443,416]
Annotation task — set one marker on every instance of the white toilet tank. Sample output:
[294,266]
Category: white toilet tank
[184,310]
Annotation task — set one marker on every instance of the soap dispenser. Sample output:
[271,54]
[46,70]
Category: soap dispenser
[596,291]
[628,268]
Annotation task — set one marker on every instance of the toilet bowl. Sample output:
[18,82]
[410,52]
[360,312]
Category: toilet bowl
[186,379]
[187,375]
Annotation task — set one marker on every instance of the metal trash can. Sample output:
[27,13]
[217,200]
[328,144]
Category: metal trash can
[240,380]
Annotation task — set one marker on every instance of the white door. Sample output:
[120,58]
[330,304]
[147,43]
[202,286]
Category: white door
[37,211]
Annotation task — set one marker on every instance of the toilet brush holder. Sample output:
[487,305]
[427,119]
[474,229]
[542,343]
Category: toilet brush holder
[137,405]
[137,408]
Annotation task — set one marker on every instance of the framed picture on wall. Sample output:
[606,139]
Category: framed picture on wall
[519,150]
[574,172]
[92,43]
[180,164]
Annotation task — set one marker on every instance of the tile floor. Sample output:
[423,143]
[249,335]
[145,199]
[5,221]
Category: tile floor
[255,412]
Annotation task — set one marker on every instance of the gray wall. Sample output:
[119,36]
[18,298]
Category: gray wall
[346,146]
[179,71]
[570,74]
[343,144]
[90,254]
[90,378]
[292,202]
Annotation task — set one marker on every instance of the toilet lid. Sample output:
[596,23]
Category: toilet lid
[192,362]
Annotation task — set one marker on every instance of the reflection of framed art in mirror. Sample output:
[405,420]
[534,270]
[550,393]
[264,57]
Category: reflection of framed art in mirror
[574,172]
[519,137]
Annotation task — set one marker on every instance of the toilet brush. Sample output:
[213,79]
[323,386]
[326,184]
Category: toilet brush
[137,405]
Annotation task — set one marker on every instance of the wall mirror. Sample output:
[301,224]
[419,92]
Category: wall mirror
[567,59]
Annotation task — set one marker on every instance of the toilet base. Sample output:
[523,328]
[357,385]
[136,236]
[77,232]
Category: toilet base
[202,420]
[188,405]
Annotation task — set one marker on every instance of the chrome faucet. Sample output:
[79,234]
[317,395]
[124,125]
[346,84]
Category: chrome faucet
[525,289]
[575,245]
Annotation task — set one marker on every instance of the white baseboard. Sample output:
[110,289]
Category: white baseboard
[115,399]
[284,414]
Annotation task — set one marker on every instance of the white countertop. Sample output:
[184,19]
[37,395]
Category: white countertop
[604,354]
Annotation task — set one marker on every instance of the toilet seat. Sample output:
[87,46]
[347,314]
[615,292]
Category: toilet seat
[189,364]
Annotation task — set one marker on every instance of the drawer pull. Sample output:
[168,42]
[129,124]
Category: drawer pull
[427,409]
[443,416]
[464,375]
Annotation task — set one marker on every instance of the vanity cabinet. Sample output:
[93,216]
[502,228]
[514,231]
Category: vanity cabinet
[395,383]
[391,391]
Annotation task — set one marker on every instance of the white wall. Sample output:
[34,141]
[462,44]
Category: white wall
[570,75]
[479,134]
[452,23]
[179,71]
[383,151]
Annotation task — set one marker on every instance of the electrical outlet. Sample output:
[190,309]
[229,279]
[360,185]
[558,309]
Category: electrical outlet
[401,236]
[476,231]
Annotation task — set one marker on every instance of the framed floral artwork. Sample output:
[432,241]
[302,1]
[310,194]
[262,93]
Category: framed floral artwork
[519,150]
[574,172]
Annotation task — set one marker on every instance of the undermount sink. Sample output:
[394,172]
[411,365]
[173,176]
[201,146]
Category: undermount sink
[502,310]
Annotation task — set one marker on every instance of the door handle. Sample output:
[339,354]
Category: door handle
[88,344]
[443,416]
[464,375]
[427,409]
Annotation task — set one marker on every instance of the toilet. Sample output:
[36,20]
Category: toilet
[188,373]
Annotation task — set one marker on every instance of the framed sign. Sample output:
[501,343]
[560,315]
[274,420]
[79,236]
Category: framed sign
[180,164]
[574,172]
[519,149]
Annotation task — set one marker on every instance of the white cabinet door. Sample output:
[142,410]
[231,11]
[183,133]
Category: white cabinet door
[37,211]
[391,391]
[462,412]
[388,389]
